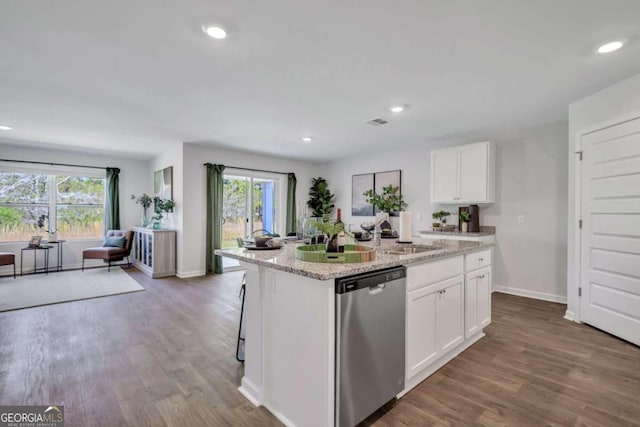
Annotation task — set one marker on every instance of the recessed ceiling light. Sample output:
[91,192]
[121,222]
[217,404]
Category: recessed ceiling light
[3,127]
[215,32]
[397,109]
[307,138]
[611,46]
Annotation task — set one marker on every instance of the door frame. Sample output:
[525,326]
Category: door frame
[574,266]
[281,195]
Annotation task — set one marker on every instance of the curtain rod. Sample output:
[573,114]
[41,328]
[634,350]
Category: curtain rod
[53,164]
[249,169]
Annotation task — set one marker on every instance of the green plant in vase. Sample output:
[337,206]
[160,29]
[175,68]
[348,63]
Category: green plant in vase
[440,217]
[331,229]
[163,208]
[145,200]
[465,217]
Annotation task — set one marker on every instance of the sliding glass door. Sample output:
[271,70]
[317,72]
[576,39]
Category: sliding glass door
[253,205]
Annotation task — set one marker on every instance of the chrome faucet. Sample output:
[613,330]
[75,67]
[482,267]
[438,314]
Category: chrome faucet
[377,232]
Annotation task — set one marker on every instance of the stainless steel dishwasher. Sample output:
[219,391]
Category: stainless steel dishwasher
[370,339]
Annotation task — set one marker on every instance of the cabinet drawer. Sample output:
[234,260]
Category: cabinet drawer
[431,272]
[477,260]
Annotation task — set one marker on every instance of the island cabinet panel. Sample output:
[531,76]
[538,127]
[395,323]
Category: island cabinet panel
[434,322]
[477,301]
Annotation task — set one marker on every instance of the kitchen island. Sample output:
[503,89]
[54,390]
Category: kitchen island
[290,320]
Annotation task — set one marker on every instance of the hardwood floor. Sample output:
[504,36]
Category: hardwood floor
[165,357]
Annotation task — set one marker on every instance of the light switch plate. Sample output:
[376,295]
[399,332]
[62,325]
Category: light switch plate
[521,219]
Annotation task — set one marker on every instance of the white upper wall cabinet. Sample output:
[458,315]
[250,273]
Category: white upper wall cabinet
[463,174]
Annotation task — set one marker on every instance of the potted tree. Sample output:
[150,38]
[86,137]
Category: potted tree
[320,198]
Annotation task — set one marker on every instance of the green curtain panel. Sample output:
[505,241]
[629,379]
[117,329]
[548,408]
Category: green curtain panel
[215,184]
[291,203]
[112,204]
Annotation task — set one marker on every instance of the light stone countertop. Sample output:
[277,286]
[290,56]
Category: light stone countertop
[484,231]
[285,259]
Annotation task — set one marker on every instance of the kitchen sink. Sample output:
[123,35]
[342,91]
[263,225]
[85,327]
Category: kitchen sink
[407,249]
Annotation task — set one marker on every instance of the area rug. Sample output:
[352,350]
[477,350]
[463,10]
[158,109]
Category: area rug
[53,288]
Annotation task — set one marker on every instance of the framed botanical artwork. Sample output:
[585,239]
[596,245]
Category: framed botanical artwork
[163,183]
[385,179]
[360,184]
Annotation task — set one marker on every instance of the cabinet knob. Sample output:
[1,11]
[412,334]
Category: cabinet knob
[480,259]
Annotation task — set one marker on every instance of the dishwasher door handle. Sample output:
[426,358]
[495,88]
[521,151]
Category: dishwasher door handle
[376,289]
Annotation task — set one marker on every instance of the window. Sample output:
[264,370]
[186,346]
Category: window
[34,203]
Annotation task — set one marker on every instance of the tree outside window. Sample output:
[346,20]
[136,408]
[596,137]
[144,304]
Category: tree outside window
[32,204]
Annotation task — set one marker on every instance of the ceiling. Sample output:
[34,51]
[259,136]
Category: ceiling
[137,77]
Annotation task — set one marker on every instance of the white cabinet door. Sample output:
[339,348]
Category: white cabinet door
[421,329]
[477,302]
[450,314]
[463,174]
[444,176]
[473,166]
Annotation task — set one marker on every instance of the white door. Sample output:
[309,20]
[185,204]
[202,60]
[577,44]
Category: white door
[450,315]
[421,329]
[473,165]
[444,175]
[610,249]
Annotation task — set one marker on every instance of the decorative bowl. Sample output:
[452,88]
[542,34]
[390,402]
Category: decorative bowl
[368,226]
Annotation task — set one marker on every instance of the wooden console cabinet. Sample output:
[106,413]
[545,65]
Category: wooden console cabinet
[154,252]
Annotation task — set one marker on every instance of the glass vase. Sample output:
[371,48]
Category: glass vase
[145,217]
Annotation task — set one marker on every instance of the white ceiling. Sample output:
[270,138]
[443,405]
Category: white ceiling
[138,76]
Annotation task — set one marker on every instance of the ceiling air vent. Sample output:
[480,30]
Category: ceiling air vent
[378,121]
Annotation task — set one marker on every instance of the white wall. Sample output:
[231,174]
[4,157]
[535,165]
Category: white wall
[531,179]
[609,106]
[173,157]
[133,180]
[194,216]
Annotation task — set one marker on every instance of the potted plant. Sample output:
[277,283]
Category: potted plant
[389,201]
[164,209]
[440,217]
[465,217]
[331,229]
[145,200]
[320,198]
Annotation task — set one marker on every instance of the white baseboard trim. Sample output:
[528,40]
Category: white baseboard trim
[531,294]
[250,391]
[570,315]
[188,274]
[284,420]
